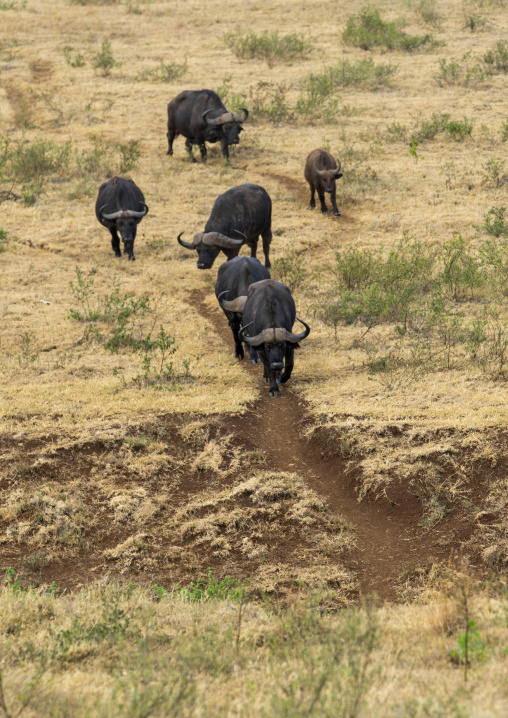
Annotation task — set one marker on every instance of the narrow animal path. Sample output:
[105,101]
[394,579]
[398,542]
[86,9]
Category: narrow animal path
[389,539]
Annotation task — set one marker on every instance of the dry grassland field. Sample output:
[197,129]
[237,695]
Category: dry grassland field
[173,542]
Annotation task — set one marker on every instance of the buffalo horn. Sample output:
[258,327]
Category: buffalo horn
[187,245]
[338,168]
[276,335]
[215,239]
[235,305]
[320,172]
[221,120]
[238,232]
[126,213]
[239,118]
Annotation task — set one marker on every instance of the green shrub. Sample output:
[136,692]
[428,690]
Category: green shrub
[268,100]
[426,9]
[230,98]
[469,71]
[77,60]
[129,155]
[497,57]
[366,29]
[503,131]
[5,240]
[268,45]
[164,72]
[290,269]
[209,588]
[474,22]
[428,128]
[493,172]
[364,73]
[471,642]
[104,60]
[395,132]
[29,165]
[459,129]
[494,222]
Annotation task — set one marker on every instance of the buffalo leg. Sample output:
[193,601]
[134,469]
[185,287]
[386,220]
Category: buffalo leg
[234,323]
[115,242]
[312,198]
[321,194]
[267,238]
[334,204]
[288,365]
[202,149]
[253,355]
[274,387]
[225,151]
[188,147]
[253,247]
[171,136]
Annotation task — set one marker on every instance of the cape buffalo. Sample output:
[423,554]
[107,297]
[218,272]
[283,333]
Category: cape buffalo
[238,217]
[321,171]
[234,279]
[200,115]
[118,208]
[269,314]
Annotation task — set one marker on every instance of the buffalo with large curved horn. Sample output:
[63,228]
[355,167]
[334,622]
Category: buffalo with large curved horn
[269,313]
[226,118]
[245,211]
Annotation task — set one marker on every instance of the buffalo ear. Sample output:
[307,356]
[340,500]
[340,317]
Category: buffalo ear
[339,175]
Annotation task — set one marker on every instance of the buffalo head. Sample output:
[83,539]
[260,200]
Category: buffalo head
[272,342]
[209,244]
[229,124]
[126,222]
[328,177]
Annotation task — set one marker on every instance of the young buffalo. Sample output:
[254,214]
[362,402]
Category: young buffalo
[321,171]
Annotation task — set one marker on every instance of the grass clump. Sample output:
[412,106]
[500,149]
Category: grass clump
[210,588]
[290,268]
[495,223]
[163,72]
[458,130]
[269,46]
[367,30]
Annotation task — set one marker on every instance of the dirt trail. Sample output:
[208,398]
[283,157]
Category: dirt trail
[389,539]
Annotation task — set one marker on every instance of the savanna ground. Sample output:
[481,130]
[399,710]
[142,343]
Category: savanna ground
[174,542]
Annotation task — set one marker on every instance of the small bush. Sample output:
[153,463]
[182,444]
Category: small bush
[469,71]
[503,131]
[497,57]
[77,60]
[367,30]
[269,46]
[493,172]
[459,129]
[104,60]
[426,9]
[395,132]
[428,128]
[29,165]
[474,22]
[228,96]
[5,240]
[164,72]
[268,100]
[290,269]
[129,155]
[494,222]
[364,73]
[209,588]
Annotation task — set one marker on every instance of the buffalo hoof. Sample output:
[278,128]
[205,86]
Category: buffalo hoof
[274,394]
[312,206]
[192,160]
[118,254]
[254,361]
[265,380]
[324,211]
[132,258]
[240,356]
[259,361]
[169,152]
[337,213]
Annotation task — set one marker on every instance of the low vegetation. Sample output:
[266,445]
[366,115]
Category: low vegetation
[367,30]
[269,46]
[314,662]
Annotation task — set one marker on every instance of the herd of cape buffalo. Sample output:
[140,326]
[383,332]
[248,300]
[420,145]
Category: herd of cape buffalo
[260,311]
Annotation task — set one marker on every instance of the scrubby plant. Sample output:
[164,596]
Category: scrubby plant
[163,72]
[494,222]
[364,73]
[269,46]
[129,155]
[426,128]
[493,172]
[290,269]
[503,131]
[269,101]
[458,130]
[395,132]
[104,60]
[474,21]
[209,588]
[468,71]
[29,351]
[78,60]
[427,10]
[497,57]
[367,30]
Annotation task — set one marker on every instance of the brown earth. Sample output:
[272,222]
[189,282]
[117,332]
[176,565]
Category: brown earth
[390,541]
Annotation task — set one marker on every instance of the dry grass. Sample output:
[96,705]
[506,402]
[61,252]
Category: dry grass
[79,497]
